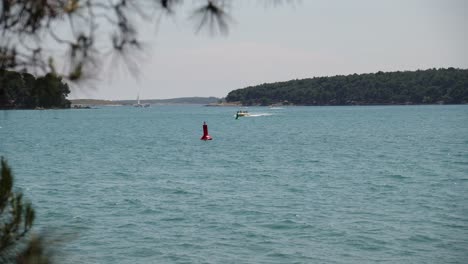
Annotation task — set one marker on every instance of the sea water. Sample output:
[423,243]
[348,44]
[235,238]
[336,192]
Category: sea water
[357,184]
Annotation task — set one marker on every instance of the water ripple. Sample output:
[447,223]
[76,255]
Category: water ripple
[307,185]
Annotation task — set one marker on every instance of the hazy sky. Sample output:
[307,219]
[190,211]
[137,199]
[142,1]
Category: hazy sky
[304,40]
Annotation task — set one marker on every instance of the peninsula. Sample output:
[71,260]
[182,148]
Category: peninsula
[432,86]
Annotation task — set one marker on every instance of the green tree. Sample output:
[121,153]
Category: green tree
[16,220]
[22,90]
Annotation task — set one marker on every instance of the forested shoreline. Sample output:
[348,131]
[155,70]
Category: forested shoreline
[20,90]
[432,86]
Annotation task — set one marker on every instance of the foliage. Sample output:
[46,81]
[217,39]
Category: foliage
[16,220]
[23,90]
[29,28]
[447,86]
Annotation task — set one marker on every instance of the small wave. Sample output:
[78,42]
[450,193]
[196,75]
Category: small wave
[120,173]
[397,176]
[278,255]
[248,212]
[296,190]
[422,238]
[149,211]
[132,201]
[460,162]
[173,219]
[383,187]
[180,191]
[190,245]
[126,225]
[286,224]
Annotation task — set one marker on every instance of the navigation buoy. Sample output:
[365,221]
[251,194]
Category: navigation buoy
[205,132]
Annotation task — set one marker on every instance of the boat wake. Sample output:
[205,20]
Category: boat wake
[259,114]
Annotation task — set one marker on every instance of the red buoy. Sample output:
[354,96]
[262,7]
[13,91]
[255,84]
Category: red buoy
[205,132]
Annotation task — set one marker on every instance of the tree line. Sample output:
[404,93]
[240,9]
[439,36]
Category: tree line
[20,90]
[432,86]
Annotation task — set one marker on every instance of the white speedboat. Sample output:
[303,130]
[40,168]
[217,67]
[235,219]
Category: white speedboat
[242,113]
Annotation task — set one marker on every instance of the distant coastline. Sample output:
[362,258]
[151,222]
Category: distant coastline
[432,86]
[172,101]
[421,87]
[222,104]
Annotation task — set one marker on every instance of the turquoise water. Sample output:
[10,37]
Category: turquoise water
[360,184]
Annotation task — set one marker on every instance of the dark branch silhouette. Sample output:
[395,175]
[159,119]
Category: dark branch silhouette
[29,27]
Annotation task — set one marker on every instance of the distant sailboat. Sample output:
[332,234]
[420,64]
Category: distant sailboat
[138,104]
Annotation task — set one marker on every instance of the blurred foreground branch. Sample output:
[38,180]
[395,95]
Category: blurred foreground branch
[17,245]
[35,34]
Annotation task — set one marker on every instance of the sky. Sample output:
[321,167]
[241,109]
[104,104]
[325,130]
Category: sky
[305,39]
